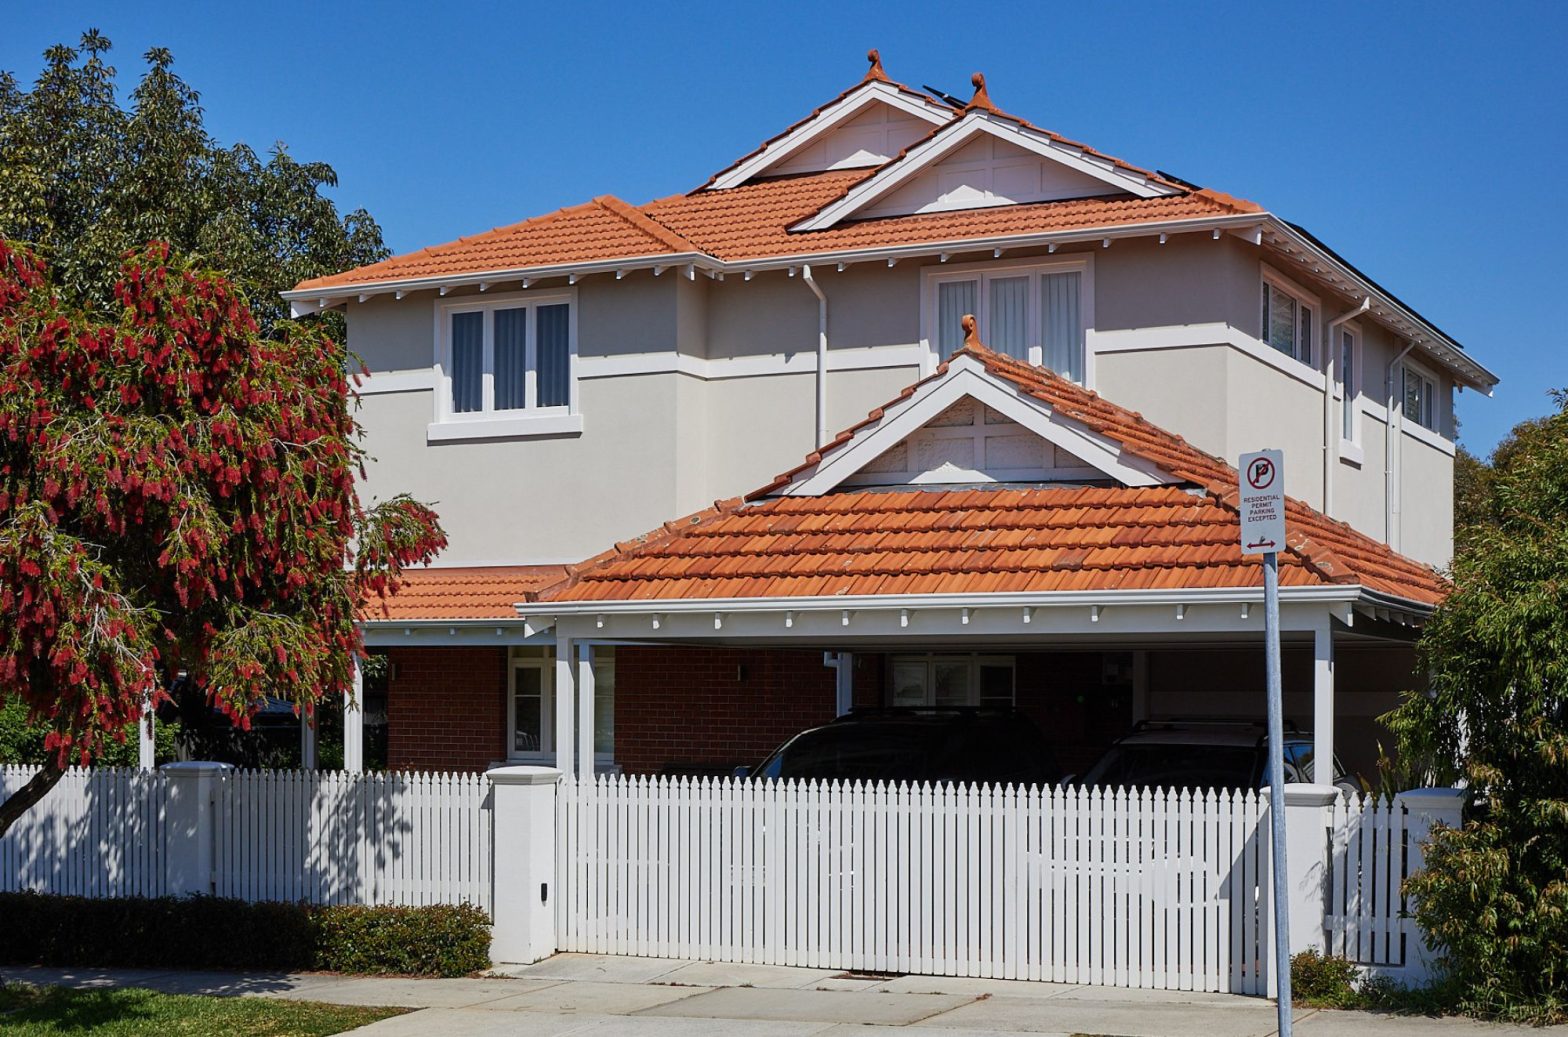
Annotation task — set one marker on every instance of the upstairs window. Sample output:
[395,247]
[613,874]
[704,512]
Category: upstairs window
[1037,313]
[1287,319]
[506,357]
[1419,396]
[1349,361]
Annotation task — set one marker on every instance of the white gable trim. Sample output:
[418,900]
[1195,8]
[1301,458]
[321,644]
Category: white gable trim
[924,155]
[831,117]
[968,377]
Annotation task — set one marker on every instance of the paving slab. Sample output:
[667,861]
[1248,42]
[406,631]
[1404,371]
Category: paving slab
[975,987]
[1378,1024]
[741,974]
[595,998]
[856,1030]
[828,1006]
[1059,1015]
[599,968]
[416,993]
[79,979]
[473,1022]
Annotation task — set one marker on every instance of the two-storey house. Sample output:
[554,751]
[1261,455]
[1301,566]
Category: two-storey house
[1038,509]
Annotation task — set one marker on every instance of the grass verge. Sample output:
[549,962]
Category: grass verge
[29,1011]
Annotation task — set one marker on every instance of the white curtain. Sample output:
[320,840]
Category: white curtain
[468,362]
[511,359]
[554,355]
[953,300]
[1062,324]
[1007,329]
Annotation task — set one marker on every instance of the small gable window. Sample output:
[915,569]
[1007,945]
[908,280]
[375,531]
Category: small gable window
[1287,318]
[1035,312]
[504,360]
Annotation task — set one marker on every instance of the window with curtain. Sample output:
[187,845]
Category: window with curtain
[1287,322]
[1033,313]
[508,357]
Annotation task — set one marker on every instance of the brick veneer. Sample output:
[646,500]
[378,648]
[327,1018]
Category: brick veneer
[446,708]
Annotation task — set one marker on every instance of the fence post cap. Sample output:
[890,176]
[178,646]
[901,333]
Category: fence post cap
[523,774]
[196,767]
[1302,794]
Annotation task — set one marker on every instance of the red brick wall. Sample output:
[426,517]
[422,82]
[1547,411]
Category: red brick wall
[694,708]
[446,708]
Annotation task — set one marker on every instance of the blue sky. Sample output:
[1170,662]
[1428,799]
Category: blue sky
[1421,141]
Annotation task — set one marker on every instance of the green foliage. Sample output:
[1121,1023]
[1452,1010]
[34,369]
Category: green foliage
[1324,981]
[84,180]
[215,933]
[1494,895]
[31,1011]
[23,743]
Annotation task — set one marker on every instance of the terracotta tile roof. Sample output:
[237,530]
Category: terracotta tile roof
[603,229]
[992,540]
[477,592]
[752,221]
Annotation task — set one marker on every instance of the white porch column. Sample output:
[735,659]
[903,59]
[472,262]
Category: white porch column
[1323,701]
[565,702]
[146,748]
[585,708]
[307,742]
[844,682]
[523,894]
[354,722]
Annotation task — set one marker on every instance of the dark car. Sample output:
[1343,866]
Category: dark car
[1202,755]
[980,745]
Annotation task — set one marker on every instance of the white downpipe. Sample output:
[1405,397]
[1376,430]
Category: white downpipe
[1394,428]
[1331,357]
[822,354]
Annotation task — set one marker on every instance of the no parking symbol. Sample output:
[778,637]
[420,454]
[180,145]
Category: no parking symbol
[1262,487]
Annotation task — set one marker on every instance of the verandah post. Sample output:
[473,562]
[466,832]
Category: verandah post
[354,722]
[524,880]
[565,701]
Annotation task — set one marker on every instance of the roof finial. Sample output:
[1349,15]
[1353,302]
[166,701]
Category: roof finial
[875,71]
[971,332]
[981,99]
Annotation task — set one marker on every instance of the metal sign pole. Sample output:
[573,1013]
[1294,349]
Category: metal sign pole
[1277,789]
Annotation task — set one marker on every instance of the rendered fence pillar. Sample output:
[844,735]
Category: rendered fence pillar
[523,805]
[146,748]
[1308,817]
[1426,808]
[1323,702]
[354,724]
[191,843]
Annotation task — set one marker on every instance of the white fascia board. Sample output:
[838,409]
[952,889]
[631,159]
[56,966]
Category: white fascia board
[968,377]
[343,293]
[1429,340]
[951,139]
[831,117]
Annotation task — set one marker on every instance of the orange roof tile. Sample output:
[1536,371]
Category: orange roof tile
[983,540]
[476,592]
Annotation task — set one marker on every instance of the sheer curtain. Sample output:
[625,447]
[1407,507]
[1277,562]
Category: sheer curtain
[511,359]
[468,362]
[953,300]
[554,355]
[1007,329]
[1061,324]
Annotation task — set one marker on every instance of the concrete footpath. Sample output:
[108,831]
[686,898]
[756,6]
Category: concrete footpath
[656,997]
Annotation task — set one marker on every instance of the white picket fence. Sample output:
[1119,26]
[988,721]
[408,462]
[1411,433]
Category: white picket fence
[324,837]
[1123,888]
[98,833]
[1370,855]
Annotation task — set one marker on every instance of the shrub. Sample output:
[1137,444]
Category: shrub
[1324,980]
[215,933]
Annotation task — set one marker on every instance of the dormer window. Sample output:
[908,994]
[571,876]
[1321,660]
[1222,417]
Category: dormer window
[1037,312]
[1287,317]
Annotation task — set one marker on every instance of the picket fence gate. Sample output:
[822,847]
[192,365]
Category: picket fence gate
[1371,852]
[1130,888]
[323,837]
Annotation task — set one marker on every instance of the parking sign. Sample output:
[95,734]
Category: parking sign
[1262,486]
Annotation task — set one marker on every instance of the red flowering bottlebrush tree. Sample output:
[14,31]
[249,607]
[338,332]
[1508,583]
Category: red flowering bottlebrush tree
[176,494]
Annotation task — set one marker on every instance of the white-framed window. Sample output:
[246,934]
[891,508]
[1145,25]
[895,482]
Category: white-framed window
[504,362]
[941,679]
[1289,316]
[1418,396]
[1348,368]
[530,704]
[1037,311]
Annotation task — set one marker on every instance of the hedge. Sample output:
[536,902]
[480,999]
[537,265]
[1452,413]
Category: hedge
[215,933]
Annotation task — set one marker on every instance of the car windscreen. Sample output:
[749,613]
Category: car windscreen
[1157,765]
[854,752]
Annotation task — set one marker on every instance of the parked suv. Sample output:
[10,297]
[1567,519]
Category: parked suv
[1206,754]
[996,746]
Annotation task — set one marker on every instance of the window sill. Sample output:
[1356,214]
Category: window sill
[505,428]
[1351,453]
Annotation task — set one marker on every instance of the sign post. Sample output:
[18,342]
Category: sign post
[1262,505]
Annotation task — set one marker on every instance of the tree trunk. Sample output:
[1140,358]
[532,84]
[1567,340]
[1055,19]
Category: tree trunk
[23,798]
